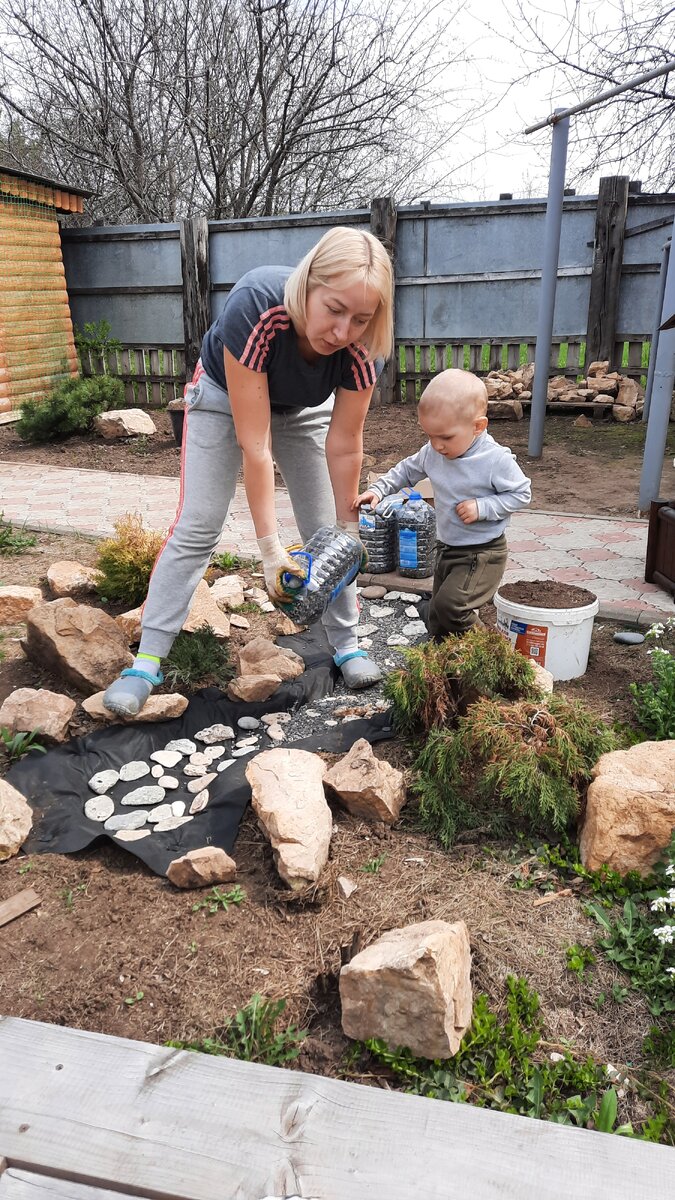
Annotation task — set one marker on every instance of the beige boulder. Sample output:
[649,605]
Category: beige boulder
[71,578]
[156,708]
[505,410]
[411,988]
[623,413]
[542,677]
[603,384]
[628,392]
[630,808]
[202,868]
[16,602]
[261,656]
[205,611]
[582,422]
[285,626]
[289,802]
[498,389]
[130,623]
[557,385]
[49,712]
[80,644]
[367,786]
[228,591]
[253,687]
[526,373]
[16,820]
[598,368]
[124,422]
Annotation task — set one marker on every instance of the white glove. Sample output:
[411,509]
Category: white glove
[275,560]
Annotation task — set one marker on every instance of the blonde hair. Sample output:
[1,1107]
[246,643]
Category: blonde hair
[347,255]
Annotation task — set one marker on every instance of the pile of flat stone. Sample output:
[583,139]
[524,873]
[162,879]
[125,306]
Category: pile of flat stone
[508,390]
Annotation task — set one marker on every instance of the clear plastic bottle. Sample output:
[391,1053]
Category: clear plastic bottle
[333,559]
[377,530]
[416,528]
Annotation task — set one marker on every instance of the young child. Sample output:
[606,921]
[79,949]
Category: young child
[477,485]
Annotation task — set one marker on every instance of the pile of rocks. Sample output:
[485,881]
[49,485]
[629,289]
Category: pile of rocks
[507,390]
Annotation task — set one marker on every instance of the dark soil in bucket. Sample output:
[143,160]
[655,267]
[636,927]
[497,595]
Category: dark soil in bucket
[546,593]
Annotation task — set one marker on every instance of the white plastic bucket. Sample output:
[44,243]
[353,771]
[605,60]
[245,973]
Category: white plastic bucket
[559,639]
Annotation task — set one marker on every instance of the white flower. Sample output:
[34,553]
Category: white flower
[658,905]
[670,970]
[665,934]
[671,869]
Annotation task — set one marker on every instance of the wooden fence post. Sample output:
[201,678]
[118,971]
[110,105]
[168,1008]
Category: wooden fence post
[603,306]
[194,257]
[383,226]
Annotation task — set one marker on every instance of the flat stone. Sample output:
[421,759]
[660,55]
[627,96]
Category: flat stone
[178,807]
[267,607]
[49,713]
[162,813]
[392,596]
[99,808]
[16,602]
[379,610]
[182,745]
[148,794]
[228,591]
[213,752]
[169,783]
[133,770]
[193,770]
[157,771]
[253,687]
[372,592]
[261,656]
[249,741]
[202,868]
[280,718]
[628,637]
[212,734]
[124,422]
[248,723]
[205,611]
[276,733]
[411,611]
[132,835]
[224,765]
[346,886]
[198,759]
[414,629]
[409,597]
[166,758]
[242,751]
[257,595]
[16,820]
[397,639]
[165,707]
[289,802]
[199,803]
[196,785]
[172,823]
[102,781]
[365,630]
[238,621]
[131,820]
[366,643]
[71,579]
[367,786]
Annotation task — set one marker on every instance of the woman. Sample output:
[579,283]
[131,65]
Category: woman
[286,374]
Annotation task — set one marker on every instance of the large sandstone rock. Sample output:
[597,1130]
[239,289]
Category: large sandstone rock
[630,809]
[498,389]
[628,392]
[367,786]
[261,656]
[205,611]
[606,385]
[558,385]
[505,410]
[16,602]
[411,988]
[156,708]
[71,578]
[124,422]
[623,413]
[16,820]
[228,591]
[202,868]
[130,624]
[80,644]
[598,368]
[253,687]
[27,708]
[289,802]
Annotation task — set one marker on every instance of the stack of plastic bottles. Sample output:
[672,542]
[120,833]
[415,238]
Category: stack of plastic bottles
[332,559]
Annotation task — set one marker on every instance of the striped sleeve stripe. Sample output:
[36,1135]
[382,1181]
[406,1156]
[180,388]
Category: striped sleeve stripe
[363,368]
[257,346]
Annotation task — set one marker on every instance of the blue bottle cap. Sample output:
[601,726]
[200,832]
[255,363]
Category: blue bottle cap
[415,496]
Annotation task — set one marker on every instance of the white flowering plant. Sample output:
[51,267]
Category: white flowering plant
[654,702]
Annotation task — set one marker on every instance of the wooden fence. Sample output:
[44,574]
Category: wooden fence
[152,375]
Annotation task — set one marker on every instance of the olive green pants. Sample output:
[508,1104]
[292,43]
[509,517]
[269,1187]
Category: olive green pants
[465,578]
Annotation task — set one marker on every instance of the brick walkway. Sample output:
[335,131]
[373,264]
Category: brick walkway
[605,555]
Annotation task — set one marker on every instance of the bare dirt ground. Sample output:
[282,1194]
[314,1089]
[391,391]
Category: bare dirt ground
[108,930]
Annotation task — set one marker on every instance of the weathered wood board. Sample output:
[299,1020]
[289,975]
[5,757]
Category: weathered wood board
[167,1123]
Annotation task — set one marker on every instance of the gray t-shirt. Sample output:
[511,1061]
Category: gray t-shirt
[256,328]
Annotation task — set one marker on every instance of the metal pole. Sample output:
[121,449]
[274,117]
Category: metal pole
[661,399]
[658,318]
[560,113]
[549,279]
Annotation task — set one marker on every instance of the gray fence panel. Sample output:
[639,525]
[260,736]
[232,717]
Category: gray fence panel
[125,263]
[152,320]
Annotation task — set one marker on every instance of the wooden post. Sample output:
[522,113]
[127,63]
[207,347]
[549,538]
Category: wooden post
[610,224]
[194,257]
[383,226]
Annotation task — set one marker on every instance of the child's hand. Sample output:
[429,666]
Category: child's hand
[369,497]
[467,511]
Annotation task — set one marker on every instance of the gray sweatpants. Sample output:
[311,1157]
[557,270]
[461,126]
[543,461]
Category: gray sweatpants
[211,463]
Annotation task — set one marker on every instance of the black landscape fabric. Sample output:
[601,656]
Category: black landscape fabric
[56,783]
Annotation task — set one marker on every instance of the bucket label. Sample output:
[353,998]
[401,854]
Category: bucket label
[530,640]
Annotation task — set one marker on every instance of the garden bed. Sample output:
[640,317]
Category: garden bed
[113,948]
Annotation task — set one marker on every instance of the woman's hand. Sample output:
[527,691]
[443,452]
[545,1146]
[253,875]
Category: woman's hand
[275,561]
[370,497]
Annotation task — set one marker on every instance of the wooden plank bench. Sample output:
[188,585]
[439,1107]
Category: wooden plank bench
[83,1116]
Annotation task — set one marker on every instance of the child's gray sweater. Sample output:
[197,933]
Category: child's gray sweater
[486,472]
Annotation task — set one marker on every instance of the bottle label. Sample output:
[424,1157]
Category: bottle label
[351,575]
[366,519]
[407,548]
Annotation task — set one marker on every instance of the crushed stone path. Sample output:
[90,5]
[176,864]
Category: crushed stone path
[604,554]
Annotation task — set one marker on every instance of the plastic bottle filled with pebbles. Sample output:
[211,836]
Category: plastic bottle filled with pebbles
[377,530]
[333,558]
[416,528]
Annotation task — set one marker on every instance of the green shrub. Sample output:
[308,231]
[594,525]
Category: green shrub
[126,561]
[252,1035]
[654,702]
[95,338]
[441,678]
[197,660]
[505,765]
[71,408]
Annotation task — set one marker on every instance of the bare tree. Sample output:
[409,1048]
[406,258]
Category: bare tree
[232,107]
[598,45]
